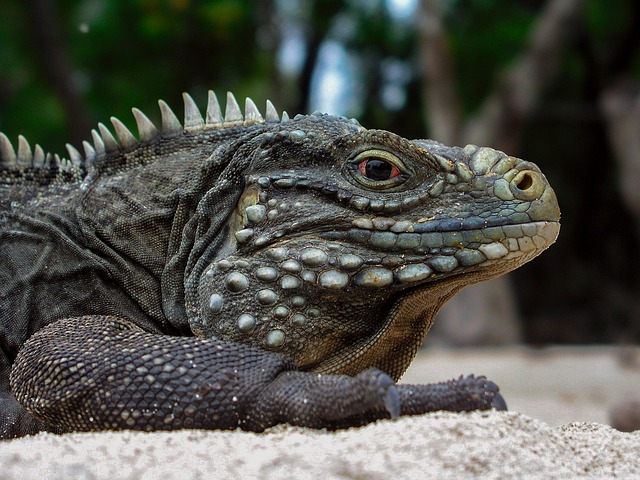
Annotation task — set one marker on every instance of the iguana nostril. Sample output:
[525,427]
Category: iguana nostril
[525,182]
[527,185]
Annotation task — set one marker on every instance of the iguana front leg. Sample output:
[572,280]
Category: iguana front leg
[104,373]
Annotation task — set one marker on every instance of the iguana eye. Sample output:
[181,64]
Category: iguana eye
[378,169]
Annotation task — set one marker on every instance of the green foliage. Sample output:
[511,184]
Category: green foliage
[132,53]
[487,37]
[126,54]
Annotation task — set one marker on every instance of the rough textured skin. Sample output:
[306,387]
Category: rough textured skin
[242,271]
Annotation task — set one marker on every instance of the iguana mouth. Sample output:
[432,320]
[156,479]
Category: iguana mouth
[356,259]
[412,257]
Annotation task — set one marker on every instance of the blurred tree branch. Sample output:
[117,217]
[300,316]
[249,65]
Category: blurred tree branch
[501,119]
[620,104]
[440,100]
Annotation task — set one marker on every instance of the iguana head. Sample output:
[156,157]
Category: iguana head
[345,242]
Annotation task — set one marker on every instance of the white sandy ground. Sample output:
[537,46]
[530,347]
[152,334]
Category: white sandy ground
[555,386]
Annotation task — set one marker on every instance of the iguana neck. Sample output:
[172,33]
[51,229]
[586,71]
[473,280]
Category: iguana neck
[148,239]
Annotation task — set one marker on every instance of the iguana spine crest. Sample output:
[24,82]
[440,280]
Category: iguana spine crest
[104,142]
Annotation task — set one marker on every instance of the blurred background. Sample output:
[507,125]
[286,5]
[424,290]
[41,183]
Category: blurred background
[556,82]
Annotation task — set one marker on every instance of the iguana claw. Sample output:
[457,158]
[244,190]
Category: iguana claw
[499,403]
[392,402]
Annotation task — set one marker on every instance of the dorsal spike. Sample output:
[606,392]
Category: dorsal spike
[110,142]
[56,161]
[89,152]
[75,156]
[7,153]
[125,137]
[64,163]
[232,114]
[251,112]
[25,155]
[214,114]
[192,116]
[285,117]
[170,123]
[146,129]
[98,142]
[271,113]
[48,161]
[38,157]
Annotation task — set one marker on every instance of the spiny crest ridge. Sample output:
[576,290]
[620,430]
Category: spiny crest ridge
[105,142]
[27,157]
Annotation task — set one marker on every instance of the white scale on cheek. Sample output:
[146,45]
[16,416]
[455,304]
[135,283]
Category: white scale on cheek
[314,257]
[291,265]
[216,302]
[275,338]
[288,282]
[246,322]
[267,274]
[236,282]
[333,279]
[255,213]
[267,297]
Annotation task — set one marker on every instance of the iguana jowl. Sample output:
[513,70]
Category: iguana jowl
[241,271]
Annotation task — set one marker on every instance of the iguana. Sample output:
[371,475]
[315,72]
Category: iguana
[244,271]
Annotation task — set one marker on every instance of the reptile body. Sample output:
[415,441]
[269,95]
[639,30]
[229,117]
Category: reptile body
[240,271]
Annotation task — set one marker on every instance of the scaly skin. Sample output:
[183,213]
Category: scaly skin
[245,272]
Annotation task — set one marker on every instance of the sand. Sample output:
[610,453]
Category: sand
[441,445]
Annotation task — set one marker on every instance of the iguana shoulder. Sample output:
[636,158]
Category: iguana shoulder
[242,271]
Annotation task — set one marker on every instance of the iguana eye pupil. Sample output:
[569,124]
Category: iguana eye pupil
[377,169]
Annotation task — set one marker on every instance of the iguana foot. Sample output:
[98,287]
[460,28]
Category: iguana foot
[460,395]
